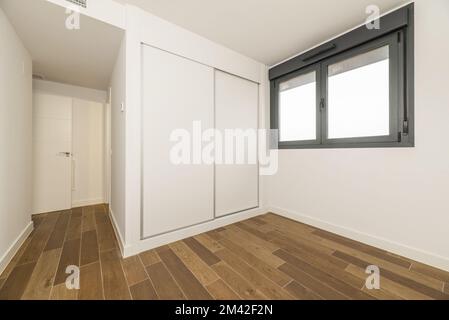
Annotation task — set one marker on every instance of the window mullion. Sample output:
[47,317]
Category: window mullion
[323,103]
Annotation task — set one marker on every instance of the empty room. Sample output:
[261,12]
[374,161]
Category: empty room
[213,150]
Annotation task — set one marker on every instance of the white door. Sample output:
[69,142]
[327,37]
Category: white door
[52,149]
[176,92]
[236,107]
[88,153]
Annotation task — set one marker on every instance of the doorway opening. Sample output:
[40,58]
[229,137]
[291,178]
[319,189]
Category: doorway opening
[72,69]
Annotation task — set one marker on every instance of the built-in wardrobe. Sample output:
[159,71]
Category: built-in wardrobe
[183,96]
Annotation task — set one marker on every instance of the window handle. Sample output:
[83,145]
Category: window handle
[405,127]
[65,154]
[322,104]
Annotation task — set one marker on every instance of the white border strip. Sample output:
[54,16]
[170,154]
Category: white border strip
[86,203]
[14,248]
[378,242]
[155,242]
[117,232]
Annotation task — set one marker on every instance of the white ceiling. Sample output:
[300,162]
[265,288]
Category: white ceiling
[266,30]
[84,57]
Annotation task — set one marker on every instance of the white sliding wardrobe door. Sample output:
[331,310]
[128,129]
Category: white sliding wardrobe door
[236,107]
[176,93]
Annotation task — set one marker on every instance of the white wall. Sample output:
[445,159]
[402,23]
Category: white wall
[67,90]
[392,198]
[118,126]
[15,141]
[107,152]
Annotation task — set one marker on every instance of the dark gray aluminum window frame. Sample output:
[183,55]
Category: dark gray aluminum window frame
[394,82]
[306,70]
[397,31]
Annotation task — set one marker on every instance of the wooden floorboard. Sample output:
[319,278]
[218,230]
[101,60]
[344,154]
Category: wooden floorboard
[165,286]
[197,266]
[311,283]
[149,257]
[267,257]
[334,281]
[206,255]
[221,291]
[405,281]
[402,262]
[15,285]
[300,292]
[271,273]
[74,228]
[208,242]
[143,291]
[15,259]
[91,285]
[57,237]
[114,281]
[39,239]
[430,271]
[41,281]
[189,284]
[88,219]
[106,237]
[134,270]
[89,247]
[61,292]
[264,253]
[395,290]
[263,284]
[242,287]
[70,257]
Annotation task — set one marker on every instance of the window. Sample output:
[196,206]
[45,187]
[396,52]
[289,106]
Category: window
[298,108]
[359,96]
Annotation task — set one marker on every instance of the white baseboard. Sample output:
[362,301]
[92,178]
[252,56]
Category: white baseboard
[117,232]
[11,252]
[89,202]
[385,244]
[151,243]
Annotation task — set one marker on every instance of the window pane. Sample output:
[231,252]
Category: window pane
[359,96]
[297,108]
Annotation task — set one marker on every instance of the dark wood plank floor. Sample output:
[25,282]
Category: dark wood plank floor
[268,257]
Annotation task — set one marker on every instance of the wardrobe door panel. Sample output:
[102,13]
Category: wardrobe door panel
[236,107]
[176,93]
